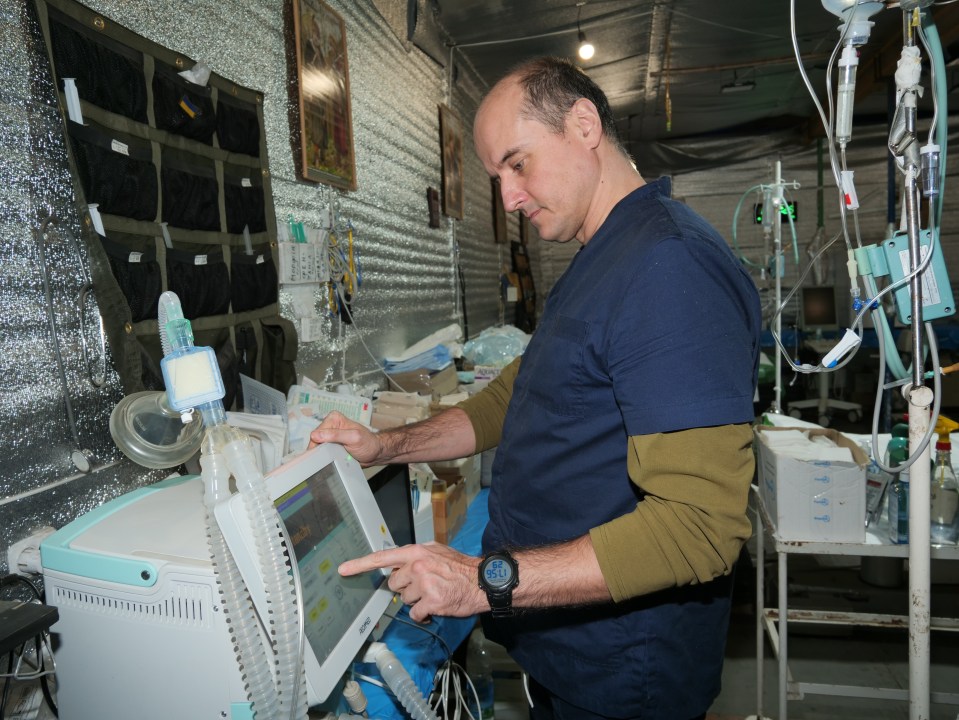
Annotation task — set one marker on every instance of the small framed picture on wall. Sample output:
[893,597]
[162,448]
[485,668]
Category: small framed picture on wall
[326,122]
[499,213]
[451,144]
[524,229]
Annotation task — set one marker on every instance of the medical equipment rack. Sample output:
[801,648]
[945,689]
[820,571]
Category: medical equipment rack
[774,622]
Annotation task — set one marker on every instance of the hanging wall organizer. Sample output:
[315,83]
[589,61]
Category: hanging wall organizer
[173,176]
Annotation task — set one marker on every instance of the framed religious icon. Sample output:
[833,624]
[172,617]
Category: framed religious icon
[499,213]
[451,143]
[326,122]
[524,229]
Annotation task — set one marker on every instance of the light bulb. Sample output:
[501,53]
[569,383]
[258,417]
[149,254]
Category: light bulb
[586,48]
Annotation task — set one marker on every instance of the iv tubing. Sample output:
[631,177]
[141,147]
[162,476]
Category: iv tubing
[930,36]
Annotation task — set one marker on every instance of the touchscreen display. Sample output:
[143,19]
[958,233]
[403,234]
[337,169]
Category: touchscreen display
[325,531]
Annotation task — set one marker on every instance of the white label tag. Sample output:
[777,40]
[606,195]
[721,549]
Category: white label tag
[120,147]
[930,288]
[199,259]
[135,257]
[246,182]
[260,259]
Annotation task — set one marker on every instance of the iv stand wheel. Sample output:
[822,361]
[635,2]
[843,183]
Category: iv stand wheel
[824,420]
[854,416]
[795,413]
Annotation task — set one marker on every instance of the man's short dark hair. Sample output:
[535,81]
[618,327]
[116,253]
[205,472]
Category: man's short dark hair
[552,86]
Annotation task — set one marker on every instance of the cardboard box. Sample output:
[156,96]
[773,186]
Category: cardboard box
[468,469]
[434,383]
[813,500]
[449,509]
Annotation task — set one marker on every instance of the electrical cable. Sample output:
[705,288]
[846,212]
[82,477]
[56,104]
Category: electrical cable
[379,364]
[447,679]
[41,643]
[13,578]
[418,626]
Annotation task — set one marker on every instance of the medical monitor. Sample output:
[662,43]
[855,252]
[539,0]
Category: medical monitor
[330,516]
[391,488]
[819,309]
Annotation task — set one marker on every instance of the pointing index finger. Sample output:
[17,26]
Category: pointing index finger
[392,558]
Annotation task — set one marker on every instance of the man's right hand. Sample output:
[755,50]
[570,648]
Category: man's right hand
[357,439]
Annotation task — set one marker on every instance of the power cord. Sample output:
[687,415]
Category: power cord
[449,698]
[42,650]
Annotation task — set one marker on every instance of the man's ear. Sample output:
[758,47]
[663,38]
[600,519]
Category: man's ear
[586,122]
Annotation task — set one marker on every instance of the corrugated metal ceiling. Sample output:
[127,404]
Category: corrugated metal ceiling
[686,51]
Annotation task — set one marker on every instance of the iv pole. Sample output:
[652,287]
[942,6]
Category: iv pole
[778,269]
[920,399]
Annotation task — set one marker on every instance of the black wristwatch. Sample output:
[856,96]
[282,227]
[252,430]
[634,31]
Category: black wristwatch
[498,575]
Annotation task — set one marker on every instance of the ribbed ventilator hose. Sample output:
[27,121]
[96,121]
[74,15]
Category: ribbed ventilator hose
[281,595]
[400,682]
[255,660]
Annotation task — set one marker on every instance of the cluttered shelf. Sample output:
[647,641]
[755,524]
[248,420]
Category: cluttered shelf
[819,507]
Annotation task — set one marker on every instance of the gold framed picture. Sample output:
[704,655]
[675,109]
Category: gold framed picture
[451,143]
[326,121]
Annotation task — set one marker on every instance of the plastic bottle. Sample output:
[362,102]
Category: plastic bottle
[877,485]
[897,453]
[479,666]
[944,493]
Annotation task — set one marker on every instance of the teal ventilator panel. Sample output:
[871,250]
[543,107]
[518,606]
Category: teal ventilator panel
[937,300]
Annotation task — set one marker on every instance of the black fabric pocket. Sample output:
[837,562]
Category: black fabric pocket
[190,192]
[116,171]
[279,353]
[243,197]
[107,73]
[137,272]
[237,126]
[246,351]
[253,280]
[182,107]
[200,279]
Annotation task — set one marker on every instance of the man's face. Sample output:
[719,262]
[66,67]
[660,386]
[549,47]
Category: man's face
[549,177]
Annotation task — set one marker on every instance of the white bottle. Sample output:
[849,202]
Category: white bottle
[944,497]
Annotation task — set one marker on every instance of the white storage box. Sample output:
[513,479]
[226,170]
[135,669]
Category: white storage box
[813,500]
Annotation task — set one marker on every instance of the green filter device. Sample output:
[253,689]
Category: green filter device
[937,300]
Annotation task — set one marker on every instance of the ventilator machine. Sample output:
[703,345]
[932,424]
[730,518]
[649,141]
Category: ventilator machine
[187,599]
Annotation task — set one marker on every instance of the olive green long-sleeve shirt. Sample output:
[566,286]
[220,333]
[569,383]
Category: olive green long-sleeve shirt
[691,522]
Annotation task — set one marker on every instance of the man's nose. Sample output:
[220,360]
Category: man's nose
[513,195]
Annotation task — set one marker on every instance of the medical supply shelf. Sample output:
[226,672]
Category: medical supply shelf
[775,622]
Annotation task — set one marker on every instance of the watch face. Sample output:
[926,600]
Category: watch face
[497,573]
